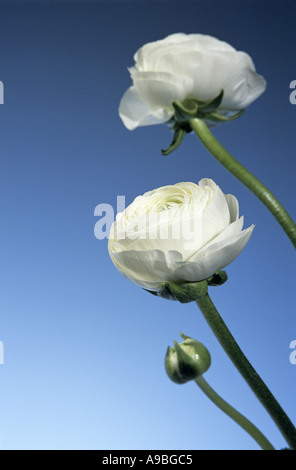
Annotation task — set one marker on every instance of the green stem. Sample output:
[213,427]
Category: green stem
[238,358]
[234,414]
[245,176]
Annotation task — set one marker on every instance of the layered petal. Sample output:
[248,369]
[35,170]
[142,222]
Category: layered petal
[215,256]
[134,112]
[148,269]
[192,66]
[194,231]
[233,207]
[216,216]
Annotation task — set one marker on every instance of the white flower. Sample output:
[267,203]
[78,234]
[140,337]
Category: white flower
[182,232]
[184,66]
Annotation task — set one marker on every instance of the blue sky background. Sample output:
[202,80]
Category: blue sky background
[84,348]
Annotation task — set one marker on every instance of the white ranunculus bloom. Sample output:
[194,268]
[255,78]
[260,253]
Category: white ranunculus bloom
[184,66]
[182,232]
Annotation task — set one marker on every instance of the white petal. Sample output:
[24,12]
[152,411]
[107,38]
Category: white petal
[205,42]
[134,111]
[146,266]
[173,258]
[233,207]
[245,85]
[224,237]
[187,66]
[160,89]
[146,54]
[216,215]
[218,256]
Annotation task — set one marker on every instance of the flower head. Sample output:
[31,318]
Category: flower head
[187,361]
[181,232]
[187,66]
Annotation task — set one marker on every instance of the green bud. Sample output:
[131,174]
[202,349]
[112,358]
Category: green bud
[187,360]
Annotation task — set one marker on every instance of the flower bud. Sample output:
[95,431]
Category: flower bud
[187,360]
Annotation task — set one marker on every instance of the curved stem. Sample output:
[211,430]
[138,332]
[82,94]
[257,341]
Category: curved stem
[238,358]
[245,176]
[234,414]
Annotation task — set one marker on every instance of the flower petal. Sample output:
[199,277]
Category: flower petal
[160,89]
[231,231]
[184,66]
[233,207]
[217,256]
[171,247]
[215,216]
[146,268]
[134,111]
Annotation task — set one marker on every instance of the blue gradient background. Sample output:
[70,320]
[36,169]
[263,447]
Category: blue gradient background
[84,348]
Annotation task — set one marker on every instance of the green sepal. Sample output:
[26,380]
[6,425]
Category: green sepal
[186,110]
[187,369]
[211,105]
[219,278]
[186,292]
[216,117]
[191,108]
[179,135]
